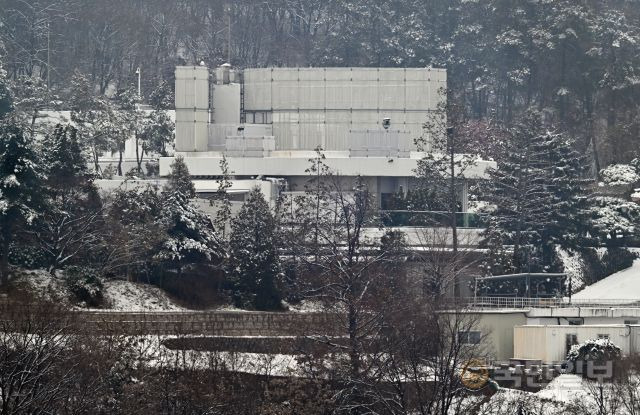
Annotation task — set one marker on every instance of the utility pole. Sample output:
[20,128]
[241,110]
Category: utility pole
[229,33]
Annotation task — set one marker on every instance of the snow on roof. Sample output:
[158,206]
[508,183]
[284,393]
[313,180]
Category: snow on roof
[623,285]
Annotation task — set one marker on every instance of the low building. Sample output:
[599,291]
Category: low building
[551,343]
[269,122]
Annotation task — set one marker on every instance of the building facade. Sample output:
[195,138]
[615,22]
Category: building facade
[269,122]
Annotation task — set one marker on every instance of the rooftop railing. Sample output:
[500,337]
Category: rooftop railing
[524,302]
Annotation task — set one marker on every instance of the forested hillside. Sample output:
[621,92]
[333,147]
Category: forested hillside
[577,60]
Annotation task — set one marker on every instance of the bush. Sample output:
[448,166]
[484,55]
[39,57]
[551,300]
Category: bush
[598,351]
[617,259]
[27,256]
[85,284]
[597,268]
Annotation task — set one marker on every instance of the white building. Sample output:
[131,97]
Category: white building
[268,123]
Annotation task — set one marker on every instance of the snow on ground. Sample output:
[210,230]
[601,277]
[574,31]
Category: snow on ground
[564,388]
[131,296]
[623,285]
[307,306]
[41,283]
[119,295]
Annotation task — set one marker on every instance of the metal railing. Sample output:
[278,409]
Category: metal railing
[525,302]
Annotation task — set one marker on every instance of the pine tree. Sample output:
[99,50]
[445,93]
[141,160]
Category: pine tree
[65,162]
[190,238]
[253,266]
[540,195]
[20,187]
[180,179]
[68,227]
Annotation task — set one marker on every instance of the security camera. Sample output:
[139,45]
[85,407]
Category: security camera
[386,123]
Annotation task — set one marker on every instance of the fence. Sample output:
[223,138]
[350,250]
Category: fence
[524,302]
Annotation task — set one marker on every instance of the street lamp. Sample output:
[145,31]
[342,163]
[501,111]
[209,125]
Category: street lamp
[139,89]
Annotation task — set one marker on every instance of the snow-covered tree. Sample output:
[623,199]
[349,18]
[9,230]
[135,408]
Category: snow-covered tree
[179,179]
[30,96]
[539,193]
[132,231]
[613,221]
[21,180]
[190,235]
[6,100]
[253,266]
[223,202]
[68,227]
[619,175]
[127,120]
[93,116]
[155,133]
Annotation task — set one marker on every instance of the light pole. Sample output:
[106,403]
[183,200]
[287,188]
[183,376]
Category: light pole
[139,89]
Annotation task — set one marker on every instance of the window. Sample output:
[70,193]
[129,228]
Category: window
[469,337]
[630,322]
[570,340]
[575,321]
[603,336]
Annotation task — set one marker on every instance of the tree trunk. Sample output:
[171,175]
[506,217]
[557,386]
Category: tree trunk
[139,154]
[453,207]
[4,262]
[354,352]
[120,151]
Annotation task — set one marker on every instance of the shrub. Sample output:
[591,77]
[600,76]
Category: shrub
[617,259]
[596,350]
[85,284]
[27,256]
[597,268]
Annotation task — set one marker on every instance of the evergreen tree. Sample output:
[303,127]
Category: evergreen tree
[180,179]
[68,227]
[190,236]
[539,194]
[20,187]
[155,133]
[67,170]
[253,266]
[94,117]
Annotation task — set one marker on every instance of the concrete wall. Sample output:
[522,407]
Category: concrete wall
[284,164]
[498,328]
[585,315]
[320,106]
[226,104]
[192,108]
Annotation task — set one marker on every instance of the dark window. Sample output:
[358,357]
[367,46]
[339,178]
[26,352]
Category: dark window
[469,337]
[571,339]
